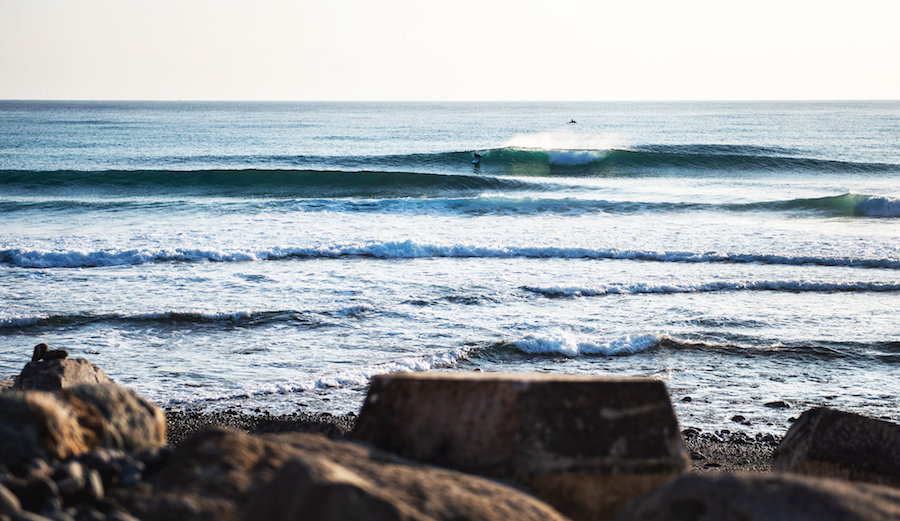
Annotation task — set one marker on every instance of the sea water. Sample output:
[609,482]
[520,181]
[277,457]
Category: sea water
[277,255]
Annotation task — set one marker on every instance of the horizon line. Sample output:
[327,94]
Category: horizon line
[216,100]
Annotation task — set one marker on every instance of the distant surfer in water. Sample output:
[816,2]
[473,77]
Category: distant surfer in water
[477,155]
[572,121]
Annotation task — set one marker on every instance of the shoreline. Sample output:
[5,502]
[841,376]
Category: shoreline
[717,451]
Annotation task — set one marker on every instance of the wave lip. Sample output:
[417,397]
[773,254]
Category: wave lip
[571,345]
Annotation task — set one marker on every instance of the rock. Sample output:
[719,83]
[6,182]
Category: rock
[585,445]
[39,351]
[226,475]
[37,424]
[777,405]
[52,375]
[7,383]
[132,423]
[687,399]
[9,503]
[831,443]
[763,497]
[56,354]
[40,495]
[737,418]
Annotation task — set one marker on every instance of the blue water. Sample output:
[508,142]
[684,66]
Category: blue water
[276,255]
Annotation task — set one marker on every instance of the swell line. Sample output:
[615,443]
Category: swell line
[27,258]
[791,286]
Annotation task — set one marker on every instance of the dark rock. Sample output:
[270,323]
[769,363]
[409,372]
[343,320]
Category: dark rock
[687,399]
[585,445]
[225,475]
[762,497]
[119,515]
[831,443]
[52,375]
[9,503]
[40,495]
[737,418]
[31,516]
[56,354]
[777,405]
[39,351]
[690,432]
[131,422]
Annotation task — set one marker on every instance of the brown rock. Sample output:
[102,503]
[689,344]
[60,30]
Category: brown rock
[227,475]
[830,443]
[586,445]
[38,424]
[39,351]
[55,354]
[51,375]
[131,422]
[763,497]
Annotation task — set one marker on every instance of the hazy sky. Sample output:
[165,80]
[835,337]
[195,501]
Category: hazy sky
[460,50]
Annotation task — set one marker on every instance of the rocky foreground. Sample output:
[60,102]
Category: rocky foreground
[75,446]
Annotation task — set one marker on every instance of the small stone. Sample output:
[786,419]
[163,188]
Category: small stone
[86,513]
[9,503]
[60,516]
[687,399]
[119,515]
[690,432]
[737,418]
[56,354]
[131,473]
[93,485]
[777,405]
[39,351]
[40,495]
[768,438]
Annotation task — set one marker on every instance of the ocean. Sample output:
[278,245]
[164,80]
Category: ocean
[275,256]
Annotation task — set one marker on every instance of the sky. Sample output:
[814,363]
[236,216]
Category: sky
[462,50]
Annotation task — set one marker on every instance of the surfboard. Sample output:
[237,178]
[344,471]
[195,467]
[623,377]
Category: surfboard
[475,161]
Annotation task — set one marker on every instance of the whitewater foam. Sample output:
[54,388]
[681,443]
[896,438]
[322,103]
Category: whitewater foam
[879,207]
[569,344]
[408,249]
[564,139]
[721,286]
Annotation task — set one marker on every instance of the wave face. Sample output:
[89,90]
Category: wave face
[23,258]
[251,183]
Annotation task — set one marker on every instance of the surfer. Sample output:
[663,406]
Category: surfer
[572,121]
[477,155]
[477,158]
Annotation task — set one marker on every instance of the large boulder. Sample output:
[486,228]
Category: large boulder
[831,443]
[225,475]
[586,445]
[132,423]
[764,497]
[37,424]
[59,373]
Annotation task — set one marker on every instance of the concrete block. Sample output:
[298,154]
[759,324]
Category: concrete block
[585,445]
